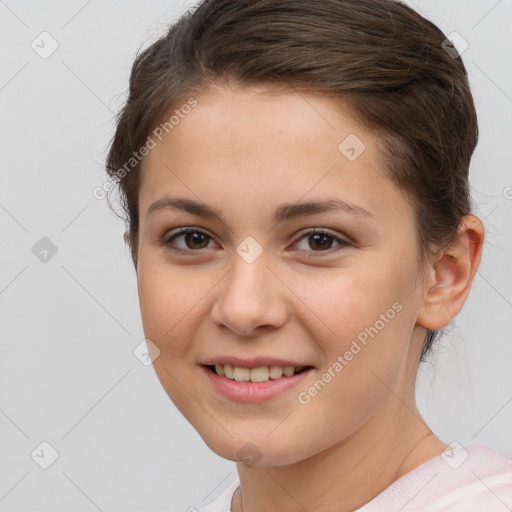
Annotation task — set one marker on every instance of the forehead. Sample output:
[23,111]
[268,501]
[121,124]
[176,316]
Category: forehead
[267,143]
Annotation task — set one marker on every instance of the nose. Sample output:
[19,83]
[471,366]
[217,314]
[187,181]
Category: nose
[251,298]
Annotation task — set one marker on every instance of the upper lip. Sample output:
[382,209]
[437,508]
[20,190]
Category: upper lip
[251,362]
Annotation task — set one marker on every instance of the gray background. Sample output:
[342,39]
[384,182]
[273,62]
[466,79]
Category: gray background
[69,325]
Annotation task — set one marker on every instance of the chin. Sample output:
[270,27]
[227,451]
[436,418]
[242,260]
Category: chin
[257,450]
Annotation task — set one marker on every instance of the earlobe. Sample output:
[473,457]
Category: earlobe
[449,284]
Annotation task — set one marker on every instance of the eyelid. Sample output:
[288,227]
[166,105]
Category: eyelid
[342,240]
[166,240]
[327,231]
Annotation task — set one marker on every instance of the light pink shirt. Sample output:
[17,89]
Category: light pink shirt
[473,478]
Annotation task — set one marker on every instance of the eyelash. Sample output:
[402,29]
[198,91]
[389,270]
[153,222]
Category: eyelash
[184,231]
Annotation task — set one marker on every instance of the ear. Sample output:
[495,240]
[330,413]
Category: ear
[448,285]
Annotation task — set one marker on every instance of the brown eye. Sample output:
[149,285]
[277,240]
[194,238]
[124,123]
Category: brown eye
[320,241]
[193,239]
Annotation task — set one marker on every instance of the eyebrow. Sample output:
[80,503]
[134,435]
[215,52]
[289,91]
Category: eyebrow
[283,212]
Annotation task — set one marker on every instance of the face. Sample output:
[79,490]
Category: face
[251,283]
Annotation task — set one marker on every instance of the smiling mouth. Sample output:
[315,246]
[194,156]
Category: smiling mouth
[261,374]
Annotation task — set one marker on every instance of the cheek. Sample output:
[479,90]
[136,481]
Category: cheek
[364,351]
[364,333]
[345,304]
[167,295]
[169,305]
[173,303]
[164,302]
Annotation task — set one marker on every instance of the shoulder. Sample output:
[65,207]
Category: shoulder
[483,478]
[455,481]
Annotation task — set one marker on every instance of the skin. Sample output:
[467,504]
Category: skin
[244,151]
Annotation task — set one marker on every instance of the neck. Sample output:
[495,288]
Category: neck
[347,475]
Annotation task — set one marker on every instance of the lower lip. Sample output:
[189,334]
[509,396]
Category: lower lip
[244,391]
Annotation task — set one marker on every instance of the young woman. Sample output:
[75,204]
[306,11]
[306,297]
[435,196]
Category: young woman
[295,180]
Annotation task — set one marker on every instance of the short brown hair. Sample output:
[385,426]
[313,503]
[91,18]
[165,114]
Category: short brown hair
[386,60]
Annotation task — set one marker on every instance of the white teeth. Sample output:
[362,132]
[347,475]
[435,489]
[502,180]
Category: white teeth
[260,374]
[276,372]
[241,373]
[228,371]
[288,371]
